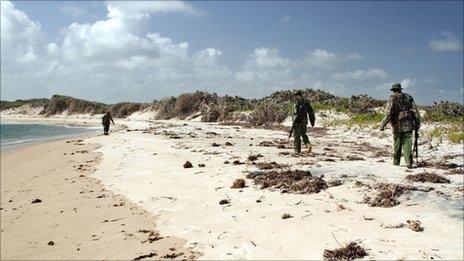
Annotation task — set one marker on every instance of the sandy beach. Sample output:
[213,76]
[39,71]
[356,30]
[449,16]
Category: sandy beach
[52,209]
[142,165]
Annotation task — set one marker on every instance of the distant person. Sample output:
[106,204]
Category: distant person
[404,117]
[301,111]
[106,122]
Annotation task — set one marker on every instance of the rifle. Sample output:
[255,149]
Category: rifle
[416,139]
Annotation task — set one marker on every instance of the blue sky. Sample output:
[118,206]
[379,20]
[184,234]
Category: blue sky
[139,51]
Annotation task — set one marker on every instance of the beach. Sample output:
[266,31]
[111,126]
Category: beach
[141,165]
[52,209]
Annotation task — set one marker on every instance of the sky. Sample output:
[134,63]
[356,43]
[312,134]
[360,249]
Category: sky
[141,51]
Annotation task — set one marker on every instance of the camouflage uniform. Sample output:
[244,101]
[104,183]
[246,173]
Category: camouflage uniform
[402,113]
[106,122]
[300,125]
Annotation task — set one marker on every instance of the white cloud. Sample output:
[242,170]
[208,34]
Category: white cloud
[123,58]
[142,8]
[354,56]
[407,83]
[285,18]
[447,42]
[71,10]
[361,75]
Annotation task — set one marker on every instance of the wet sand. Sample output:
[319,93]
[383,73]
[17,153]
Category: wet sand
[52,209]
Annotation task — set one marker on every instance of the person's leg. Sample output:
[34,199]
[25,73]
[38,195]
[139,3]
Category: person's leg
[407,148]
[297,138]
[304,128]
[106,129]
[396,148]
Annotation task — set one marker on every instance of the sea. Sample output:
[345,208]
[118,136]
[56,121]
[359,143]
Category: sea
[16,134]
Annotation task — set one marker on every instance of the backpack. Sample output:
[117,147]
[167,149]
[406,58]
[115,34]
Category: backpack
[105,119]
[301,109]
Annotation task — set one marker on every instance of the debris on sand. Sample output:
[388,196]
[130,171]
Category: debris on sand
[152,254]
[188,164]
[284,153]
[266,144]
[51,243]
[226,162]
[427,177]
[354,158]
[254,157]
[201,165]
[173,255]
[224,201]
[387,195]
[229,144]
[271,165]
[215,144]
[349,252]
[286,216]
[238,183]
[415,225]
[37,200]
[293,181]
[459,171]
[334,183]
[153,236]
[238,162]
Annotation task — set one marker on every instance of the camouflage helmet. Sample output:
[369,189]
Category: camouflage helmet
[396,87]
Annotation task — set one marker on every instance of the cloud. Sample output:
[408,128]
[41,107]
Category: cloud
[407,83]
[143,8]
[361,75]
[285,19]
[447,42]
[354,56]
[121,57]
[71,10]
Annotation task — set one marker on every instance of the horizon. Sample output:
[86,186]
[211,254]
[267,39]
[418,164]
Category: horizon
[114,52]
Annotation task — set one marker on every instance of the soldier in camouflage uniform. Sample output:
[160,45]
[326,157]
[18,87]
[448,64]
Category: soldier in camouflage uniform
[404,117]
[301,110]
[106,122]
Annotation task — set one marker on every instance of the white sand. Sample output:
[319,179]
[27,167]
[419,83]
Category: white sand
[148,170]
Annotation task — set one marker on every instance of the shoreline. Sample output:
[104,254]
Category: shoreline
[76,213]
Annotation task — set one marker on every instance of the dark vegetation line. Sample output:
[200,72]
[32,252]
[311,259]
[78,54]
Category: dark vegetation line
[210,107]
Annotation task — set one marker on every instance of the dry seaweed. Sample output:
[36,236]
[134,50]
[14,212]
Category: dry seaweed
[188,164]
[415,225]
[427,177]
[271,165]
[349,252]
[238,183]
[387,195]
[286,216]
[292,181]
[254,157]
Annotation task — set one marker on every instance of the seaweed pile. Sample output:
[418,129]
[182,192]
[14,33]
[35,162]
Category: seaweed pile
[289,181]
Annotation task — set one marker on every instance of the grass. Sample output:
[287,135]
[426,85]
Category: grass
[454,133]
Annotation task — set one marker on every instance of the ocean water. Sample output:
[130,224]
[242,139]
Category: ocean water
[14,134]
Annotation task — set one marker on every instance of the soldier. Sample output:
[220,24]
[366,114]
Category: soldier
[106,122]
[404,117]
[301,110]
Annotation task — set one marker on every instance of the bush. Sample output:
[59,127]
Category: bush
[125,109]
[268,113]
[367,118]
[445,111]
[59,104]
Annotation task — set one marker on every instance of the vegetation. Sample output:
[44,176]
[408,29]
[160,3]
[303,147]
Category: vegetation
[269,110]
[5,105]
[445,111]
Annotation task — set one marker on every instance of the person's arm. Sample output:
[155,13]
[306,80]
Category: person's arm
[387,118]
[111,118]
[312,116]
